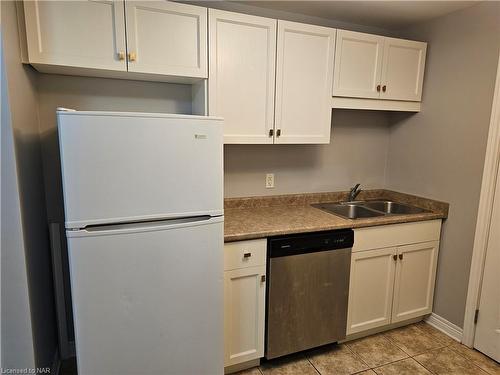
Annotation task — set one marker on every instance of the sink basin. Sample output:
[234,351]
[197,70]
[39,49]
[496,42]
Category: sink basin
[389,207]
[348,210]
[366,209]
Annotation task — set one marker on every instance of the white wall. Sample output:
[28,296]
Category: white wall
[241,7]
[31,256]
[357,153]
[98,94]
[439,153]
[16,331]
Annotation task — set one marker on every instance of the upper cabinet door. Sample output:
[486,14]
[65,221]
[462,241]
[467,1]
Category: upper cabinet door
[242,74]
[83,34]
[358,64]
[304,74]
[414,281]
[403,69]
[166,38]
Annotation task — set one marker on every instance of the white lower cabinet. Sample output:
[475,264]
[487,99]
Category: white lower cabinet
[370,289]
[414,280]
[244,300]
[394,280]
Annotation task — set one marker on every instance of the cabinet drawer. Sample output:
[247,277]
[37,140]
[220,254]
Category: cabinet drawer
[396,235]
[244,254]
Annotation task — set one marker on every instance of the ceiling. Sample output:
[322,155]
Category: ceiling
[390,15]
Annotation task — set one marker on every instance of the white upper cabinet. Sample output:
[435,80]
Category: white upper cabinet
[154,40]
[82,34]
[358,64]
[242,75]
[304,74]
[403,69]
[376,67]
[166,38]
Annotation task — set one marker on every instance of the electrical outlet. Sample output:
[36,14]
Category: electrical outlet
[269,180]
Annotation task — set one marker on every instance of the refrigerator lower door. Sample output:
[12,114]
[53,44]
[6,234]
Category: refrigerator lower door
[148,297]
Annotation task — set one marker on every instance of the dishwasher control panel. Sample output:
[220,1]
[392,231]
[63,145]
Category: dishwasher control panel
[310,242]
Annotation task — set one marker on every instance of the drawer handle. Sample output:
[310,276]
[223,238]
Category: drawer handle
[263,279]
[247,255]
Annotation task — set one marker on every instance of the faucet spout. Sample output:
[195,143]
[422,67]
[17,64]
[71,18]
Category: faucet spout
[353,193]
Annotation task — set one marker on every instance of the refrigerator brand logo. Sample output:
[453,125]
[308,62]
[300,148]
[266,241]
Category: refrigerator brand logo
[200,136]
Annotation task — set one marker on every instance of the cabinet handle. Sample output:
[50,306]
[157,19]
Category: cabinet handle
[121,55]
[395,257]
[384,88]
[378,88]
[247,255]
[400,256]
[263,279]
[278,132]
[271,132]
[132,56]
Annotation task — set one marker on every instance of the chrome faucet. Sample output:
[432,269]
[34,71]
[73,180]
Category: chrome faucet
[353,193]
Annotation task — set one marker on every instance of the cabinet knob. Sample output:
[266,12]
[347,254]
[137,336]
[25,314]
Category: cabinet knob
[132,56]
[384,88]
[395,257]
[121,55]
[263,279]
[278,132]
[247,255]
[400,256]
[378,88]
[271,132]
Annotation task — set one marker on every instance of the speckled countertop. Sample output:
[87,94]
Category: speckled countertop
[259,217]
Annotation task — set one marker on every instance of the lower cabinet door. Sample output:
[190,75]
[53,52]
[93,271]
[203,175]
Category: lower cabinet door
[244,307]
[414,281]
[371,289]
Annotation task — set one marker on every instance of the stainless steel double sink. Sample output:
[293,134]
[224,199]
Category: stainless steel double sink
[367,209]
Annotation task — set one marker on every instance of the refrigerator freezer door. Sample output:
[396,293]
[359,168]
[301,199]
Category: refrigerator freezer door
[120,167]
[148,299]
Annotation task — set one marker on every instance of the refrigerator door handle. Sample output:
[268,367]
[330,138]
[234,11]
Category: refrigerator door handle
[145,226]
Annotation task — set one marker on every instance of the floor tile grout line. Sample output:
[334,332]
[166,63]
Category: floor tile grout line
[423,332]
[423,365]
[464,357]
[441,343]
[357,356]
[312,364]
[404,359]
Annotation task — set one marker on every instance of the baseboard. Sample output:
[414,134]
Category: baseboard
[242,366]
[440,323]
[56,363]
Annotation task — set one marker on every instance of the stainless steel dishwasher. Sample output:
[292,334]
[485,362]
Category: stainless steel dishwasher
[308,287]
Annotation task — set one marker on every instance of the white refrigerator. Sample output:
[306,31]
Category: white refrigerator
[143,200]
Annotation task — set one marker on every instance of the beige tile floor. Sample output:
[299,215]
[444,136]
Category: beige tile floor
[414,349]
